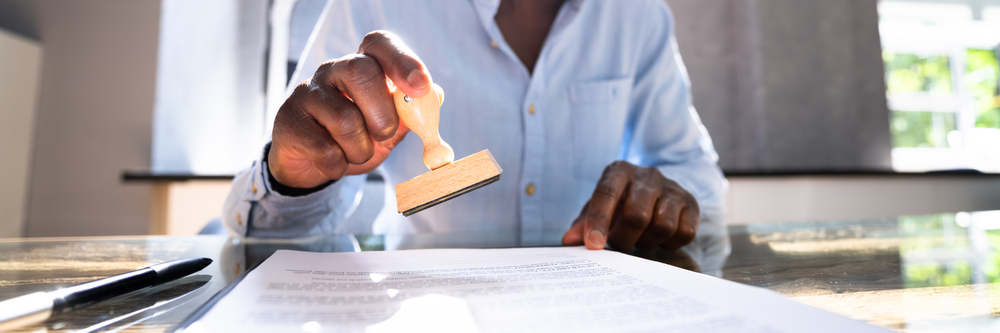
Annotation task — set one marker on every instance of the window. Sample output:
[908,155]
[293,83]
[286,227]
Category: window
[941,74]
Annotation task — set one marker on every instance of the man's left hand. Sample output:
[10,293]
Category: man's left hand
[635,206]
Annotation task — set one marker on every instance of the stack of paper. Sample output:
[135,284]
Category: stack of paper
[501,290]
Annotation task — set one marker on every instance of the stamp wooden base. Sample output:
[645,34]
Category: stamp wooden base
[442,184]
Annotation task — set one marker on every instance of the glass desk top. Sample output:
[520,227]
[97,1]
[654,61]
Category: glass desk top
[912,273]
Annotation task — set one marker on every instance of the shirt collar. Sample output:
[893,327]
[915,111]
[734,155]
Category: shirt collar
[487,9]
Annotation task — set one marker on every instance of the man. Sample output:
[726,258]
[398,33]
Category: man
[584,103]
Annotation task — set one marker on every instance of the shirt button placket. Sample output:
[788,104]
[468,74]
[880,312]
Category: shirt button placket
[534,168]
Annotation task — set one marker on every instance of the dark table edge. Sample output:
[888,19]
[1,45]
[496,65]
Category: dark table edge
[140,177]
[143,176]
[856,173]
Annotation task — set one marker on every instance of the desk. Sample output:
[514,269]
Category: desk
[915,273]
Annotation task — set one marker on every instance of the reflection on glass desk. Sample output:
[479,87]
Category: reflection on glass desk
[912,273]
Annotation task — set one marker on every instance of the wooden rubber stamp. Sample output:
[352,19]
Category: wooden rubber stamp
[448,178]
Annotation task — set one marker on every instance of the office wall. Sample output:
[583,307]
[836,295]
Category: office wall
[94,116]
[788,84]
[20,62]
[209,112]
[18,17]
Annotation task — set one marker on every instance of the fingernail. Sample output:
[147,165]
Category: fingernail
[416,79]
[596,238]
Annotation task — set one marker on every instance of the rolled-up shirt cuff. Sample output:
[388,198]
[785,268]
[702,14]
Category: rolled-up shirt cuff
[257,210]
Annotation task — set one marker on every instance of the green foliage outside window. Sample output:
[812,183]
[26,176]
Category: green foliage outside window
[921,129]
[982,73]
[932,74]
[918,73]
[911,72]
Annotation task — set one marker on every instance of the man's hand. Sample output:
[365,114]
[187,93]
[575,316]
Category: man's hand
[635,206]
[343,120]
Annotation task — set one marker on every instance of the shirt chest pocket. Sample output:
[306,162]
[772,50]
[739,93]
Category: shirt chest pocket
[598,111]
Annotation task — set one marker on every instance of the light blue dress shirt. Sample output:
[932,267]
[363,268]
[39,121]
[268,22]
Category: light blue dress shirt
[609,85]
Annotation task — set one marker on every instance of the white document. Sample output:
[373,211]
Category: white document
[501,290]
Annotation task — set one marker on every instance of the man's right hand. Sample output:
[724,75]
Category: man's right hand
[342,121]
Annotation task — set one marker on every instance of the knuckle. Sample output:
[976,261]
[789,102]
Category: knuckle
[676,193]
[355,136]
[644,191]
[619,169]
[694,209]
[663,229]
[668,215]
[691,201]
[637,218]
[332,158]
[605,191]
[349,121]
[293,104]
[668,224]
[301,89]
[657,174]
[666,181]
[614,166]
[635,222]
[670,202]
[322,78]
[373,38]
[648,174]
[325,67]
[332,154]
[384,129]
[361,69]
[609,170]
[685,234]
[290,120]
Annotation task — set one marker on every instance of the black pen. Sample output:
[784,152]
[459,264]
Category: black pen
[35,308]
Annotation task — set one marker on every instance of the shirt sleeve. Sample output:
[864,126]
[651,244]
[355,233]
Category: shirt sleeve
[254,209]
[665,130]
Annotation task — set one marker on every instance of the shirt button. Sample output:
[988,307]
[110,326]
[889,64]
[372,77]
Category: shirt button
[530,189]
[531,109]
[494,44]
[239,220]
[253,187]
